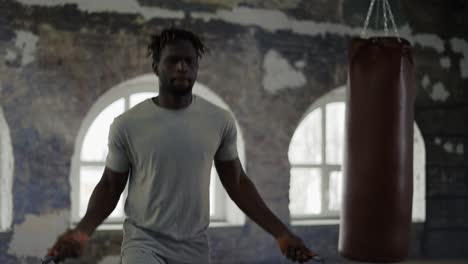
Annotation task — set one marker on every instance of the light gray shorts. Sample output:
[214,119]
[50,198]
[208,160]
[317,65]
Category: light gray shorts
[135,255]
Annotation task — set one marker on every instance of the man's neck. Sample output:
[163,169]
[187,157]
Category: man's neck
[173,101]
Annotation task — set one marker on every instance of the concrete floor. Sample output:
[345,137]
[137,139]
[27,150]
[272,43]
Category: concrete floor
[116,260]
[411,261]
[435,261]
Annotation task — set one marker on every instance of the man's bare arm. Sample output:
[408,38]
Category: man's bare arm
[103,200]
[243,192]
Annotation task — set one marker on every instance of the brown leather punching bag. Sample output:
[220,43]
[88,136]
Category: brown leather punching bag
[378,158]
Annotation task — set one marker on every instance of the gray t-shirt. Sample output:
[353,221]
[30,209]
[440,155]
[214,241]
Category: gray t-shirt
[170,155]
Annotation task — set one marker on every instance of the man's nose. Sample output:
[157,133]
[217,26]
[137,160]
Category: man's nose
[181,65]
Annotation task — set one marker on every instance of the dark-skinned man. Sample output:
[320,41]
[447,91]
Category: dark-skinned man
[165,147]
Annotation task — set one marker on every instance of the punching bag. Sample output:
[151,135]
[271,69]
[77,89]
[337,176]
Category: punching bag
[378,157]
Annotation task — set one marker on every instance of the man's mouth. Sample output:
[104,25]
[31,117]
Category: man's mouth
[180,78]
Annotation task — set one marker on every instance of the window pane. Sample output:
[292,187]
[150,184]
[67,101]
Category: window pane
[140,97]
[335,192]
[212,192]
[95,141]
[419,175]
[306,144]
[89,177]
[335,132]
[305,192]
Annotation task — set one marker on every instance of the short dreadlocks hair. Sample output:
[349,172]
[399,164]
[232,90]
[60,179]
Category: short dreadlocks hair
[158,42]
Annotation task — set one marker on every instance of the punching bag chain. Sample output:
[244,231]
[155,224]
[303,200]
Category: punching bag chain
[386,9]
[393,20]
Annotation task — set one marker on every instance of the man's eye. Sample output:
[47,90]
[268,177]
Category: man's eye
[173,60]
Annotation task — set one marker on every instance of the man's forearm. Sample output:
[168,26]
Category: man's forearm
[101,204]
[249,201]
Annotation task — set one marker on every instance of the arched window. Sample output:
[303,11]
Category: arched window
[91,150]
[315,154]
[6,175]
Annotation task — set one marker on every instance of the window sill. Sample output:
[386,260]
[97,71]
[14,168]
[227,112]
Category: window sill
[110,226]
[323,222]
[119,226]
[315,222]
[218,224]
[106,226]
[6,230]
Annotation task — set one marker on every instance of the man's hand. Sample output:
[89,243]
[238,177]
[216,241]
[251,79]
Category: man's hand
[70,244]
[293,248]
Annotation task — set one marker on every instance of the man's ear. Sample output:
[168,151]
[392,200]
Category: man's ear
[155,68]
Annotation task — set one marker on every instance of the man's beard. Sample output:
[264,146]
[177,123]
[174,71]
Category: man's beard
[177,90]
[180,91]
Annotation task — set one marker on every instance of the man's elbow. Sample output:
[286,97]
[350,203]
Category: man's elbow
[244,180]
[110,186]
[241,184]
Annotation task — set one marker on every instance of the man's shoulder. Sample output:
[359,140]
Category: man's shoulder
[132,114]
[213,109]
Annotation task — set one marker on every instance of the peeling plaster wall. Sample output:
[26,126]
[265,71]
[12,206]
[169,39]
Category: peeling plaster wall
[279,74]
[34,236]
[439,93]
[269,61]
[117,6]
[461,46]
[25,44]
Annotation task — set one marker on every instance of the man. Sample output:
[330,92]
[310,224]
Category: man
[165,147]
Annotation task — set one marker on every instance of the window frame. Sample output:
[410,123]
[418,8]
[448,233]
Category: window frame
[324,167]
[339,95]
[6,176]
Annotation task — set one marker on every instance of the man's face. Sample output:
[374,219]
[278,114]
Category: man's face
[178,66]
